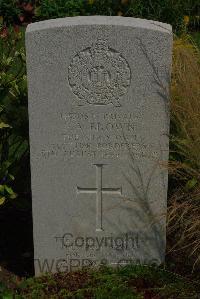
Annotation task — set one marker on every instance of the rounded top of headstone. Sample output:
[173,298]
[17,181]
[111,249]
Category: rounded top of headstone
[100,20]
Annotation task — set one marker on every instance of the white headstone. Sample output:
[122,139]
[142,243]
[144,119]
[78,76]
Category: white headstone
[99,124]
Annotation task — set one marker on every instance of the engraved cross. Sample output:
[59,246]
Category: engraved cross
[99,191]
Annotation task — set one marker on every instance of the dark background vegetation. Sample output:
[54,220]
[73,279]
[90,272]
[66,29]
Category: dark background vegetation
[16,248]
[169,11]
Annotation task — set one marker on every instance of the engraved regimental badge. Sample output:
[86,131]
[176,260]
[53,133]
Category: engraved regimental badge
[99,75]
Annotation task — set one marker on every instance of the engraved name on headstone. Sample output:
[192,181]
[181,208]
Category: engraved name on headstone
[99,123]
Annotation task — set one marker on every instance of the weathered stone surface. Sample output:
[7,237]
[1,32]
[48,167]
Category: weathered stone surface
[99,123]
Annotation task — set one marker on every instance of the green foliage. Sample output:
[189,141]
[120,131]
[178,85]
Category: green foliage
[196,36]
[16,11]
[6,192]
[9,11]
[168,11]
[50,9]
[130,282]
[104,7]
[13,110]
[5,293]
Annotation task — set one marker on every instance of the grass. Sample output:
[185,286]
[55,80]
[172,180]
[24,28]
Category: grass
[184,202]
[185,107]
[196,37]
[130,282]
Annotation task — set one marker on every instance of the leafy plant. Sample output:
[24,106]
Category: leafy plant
[9,11]
[104,7]
[50,9]
[13,110]
[165,11]
[5,293]
[16,11]
[130,282]
[173,12]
